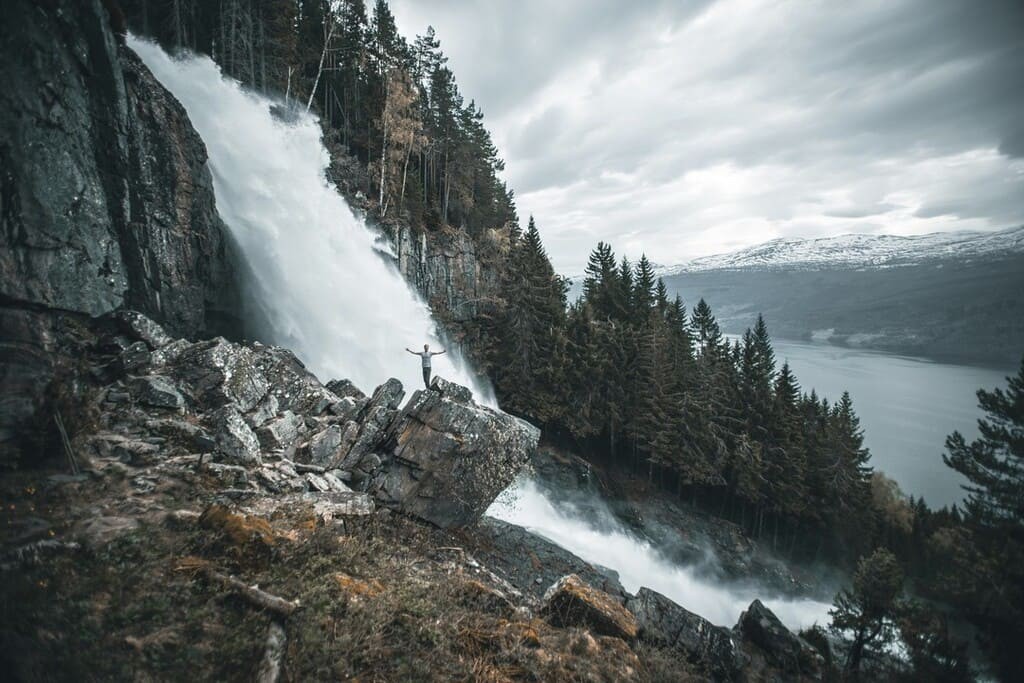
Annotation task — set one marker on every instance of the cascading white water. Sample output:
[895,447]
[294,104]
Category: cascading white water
[317,285]
[640,564]
[320,289]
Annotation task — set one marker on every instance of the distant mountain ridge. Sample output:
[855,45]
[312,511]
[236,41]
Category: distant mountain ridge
[857,251]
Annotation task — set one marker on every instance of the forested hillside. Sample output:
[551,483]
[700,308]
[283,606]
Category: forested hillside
[392,105]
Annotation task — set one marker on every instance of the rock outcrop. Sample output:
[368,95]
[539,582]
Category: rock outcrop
[263,425]
[105,198]
[448,458]
[782,648]
[572,602]
[666,624]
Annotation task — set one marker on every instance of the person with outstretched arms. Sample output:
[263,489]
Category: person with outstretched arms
[425,357]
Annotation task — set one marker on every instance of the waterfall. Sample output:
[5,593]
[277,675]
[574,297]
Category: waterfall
[313,276]
[317,284]
[599,538]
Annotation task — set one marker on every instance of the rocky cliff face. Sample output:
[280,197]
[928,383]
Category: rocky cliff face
[105,198]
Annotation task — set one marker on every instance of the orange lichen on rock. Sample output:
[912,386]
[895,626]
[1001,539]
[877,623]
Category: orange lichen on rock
[571,602]
[239,530]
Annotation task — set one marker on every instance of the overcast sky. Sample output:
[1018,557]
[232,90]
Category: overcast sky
[682,129]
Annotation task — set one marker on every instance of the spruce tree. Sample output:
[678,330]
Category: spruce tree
[990,561]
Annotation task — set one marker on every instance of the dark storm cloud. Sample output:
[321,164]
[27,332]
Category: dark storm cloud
[687,128]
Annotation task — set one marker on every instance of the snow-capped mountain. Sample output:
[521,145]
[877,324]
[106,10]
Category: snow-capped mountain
[858,251]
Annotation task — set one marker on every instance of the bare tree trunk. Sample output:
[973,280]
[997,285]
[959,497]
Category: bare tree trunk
[447,188]
[384,143]
[320,68]
[405,171]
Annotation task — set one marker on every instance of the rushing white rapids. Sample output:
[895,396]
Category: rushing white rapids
[639,564]
[315,283]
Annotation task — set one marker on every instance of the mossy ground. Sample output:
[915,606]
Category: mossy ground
[381,598]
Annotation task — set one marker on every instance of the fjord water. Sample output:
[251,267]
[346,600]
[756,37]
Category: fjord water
[314,281]
[907,407]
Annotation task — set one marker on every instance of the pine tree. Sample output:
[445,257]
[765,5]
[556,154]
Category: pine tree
[601,282]
[868,609]
[990,559]
[531,356]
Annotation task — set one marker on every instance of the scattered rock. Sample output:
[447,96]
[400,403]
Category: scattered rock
[344,388]
[281,433]
[134,357]
[220,373]
[140,327]
[333,504]
[156,391]
[323,446]
[235,441]
[266,410]
[571,602]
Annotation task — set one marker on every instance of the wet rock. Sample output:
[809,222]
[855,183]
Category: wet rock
[571,602]
[156,391]
[235,441]
[664,623]
[449,458]
[782,648]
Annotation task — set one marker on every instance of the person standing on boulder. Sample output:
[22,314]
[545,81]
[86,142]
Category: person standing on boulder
[425,356]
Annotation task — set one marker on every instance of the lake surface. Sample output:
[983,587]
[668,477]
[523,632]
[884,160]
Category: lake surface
[906,405]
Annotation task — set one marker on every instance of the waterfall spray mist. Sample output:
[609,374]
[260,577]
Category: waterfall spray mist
[606,543]
[314,280]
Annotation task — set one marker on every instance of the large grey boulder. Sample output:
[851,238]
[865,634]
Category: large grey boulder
[446,458]
[664,623]
[781,647]
[218,373]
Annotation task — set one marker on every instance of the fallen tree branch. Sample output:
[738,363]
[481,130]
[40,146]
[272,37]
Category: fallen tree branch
[66,442]
[270,666]
[31,553]
[271,603]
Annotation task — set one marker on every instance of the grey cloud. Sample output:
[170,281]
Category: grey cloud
[686,128]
